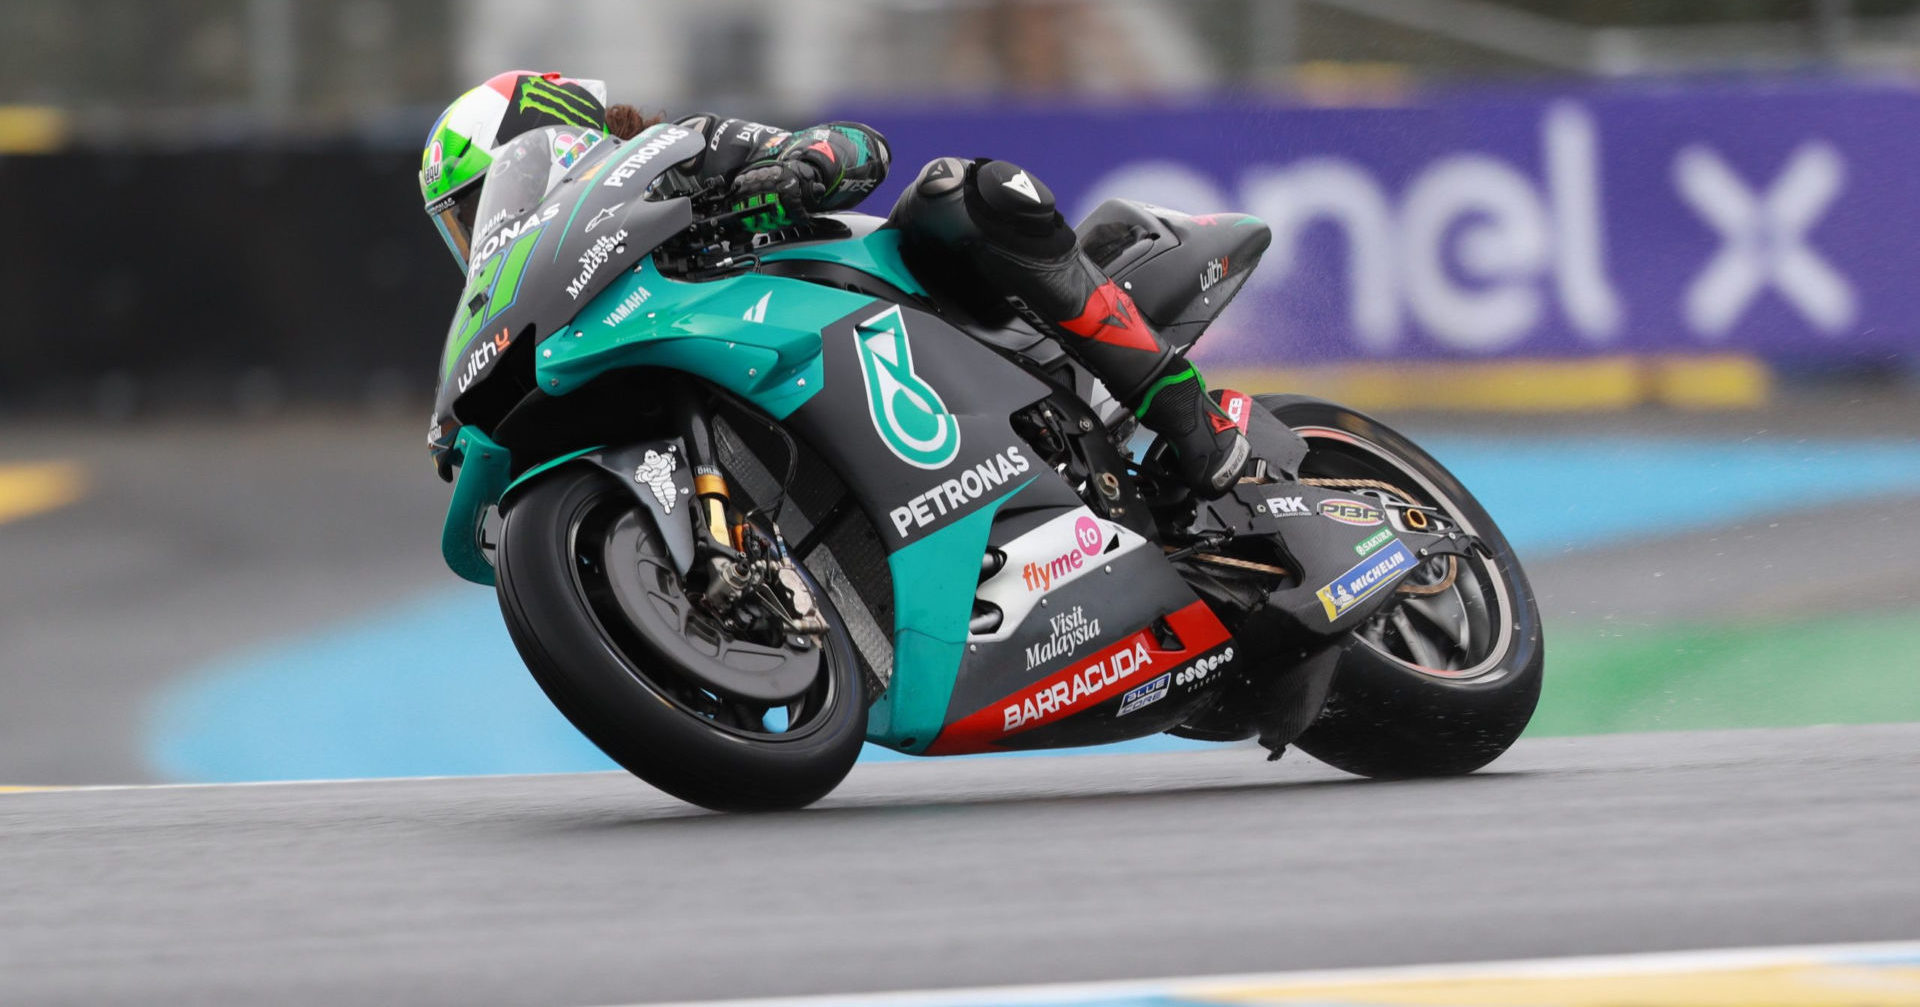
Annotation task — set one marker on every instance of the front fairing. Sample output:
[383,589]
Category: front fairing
[556,226]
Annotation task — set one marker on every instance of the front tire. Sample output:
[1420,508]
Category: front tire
[607,666]
[1396,709]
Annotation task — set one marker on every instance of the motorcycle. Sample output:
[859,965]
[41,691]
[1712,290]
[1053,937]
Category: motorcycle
[750,503]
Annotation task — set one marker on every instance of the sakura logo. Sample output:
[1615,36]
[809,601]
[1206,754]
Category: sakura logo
[656,470]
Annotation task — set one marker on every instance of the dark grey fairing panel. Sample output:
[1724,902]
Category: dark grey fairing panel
[979,389]
[1120,594]
[595,223]
[1181,270]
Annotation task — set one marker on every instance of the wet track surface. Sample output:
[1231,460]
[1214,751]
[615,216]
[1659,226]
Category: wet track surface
[595,889]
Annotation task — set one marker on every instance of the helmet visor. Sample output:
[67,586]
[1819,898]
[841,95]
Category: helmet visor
[454,217]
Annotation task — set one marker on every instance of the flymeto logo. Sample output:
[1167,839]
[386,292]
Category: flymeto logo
[539,94]
[907,413]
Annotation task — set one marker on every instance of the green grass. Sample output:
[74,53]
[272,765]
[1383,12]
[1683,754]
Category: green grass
[1857,669]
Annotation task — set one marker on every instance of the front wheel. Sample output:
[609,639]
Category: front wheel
[1443,681]
[639,665]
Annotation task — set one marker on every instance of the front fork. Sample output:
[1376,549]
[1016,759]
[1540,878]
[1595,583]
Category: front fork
[734,566]
[724,527]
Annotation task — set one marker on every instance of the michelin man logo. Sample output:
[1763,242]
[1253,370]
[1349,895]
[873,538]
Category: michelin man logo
[656,470]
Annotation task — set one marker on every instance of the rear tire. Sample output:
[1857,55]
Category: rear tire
[622,692]
[1387,716]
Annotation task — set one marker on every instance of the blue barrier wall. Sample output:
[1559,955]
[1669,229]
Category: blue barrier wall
[1776,218]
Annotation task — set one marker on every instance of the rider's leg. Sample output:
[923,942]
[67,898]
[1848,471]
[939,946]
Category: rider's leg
[1003,223]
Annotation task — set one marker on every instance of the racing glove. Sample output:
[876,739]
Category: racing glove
[776,194]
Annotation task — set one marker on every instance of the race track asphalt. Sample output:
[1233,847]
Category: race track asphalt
[595,889]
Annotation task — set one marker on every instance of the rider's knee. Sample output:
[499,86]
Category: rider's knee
[962,203]
[1016,211]
[1007,192]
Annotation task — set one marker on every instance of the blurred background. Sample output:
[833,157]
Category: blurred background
[1640,271]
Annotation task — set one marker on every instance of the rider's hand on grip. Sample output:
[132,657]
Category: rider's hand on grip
[776,194]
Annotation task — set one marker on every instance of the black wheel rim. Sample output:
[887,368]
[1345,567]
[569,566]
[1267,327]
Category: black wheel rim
[1462,631]
[623,573]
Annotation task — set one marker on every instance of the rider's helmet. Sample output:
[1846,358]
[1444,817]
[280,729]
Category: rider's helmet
[460,149]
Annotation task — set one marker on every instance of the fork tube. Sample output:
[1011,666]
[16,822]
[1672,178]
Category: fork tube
[709,485]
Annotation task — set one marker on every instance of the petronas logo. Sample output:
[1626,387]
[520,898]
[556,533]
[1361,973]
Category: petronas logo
[907,412]
[539,94]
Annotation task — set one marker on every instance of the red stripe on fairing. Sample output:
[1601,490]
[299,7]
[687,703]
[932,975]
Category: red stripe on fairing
[1197,627]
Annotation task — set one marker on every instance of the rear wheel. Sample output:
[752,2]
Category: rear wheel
[679,696]
[1443,681]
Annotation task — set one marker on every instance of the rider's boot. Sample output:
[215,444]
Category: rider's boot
[1107,333]
[1024,248]
[1209,451]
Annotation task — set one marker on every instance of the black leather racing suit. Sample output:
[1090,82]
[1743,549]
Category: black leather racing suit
[997,221]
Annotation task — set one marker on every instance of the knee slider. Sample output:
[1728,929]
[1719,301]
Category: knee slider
[1016,210]
[940,177]
[1006,190]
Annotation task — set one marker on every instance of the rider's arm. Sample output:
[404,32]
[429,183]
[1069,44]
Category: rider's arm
[850,159]
[847,159]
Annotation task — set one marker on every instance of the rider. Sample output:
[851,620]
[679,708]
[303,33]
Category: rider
[989,216]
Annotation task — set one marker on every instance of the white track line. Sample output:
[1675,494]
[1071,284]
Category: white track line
[29,788]
[1654,963]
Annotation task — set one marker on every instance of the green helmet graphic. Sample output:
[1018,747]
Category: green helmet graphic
[460,148]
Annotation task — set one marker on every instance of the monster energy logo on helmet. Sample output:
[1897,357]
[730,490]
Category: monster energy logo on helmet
[908,414]
[538,94]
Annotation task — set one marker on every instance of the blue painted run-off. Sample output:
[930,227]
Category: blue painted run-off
[435,688]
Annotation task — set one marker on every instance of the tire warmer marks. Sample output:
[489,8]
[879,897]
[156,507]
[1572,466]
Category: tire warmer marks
[1101,678]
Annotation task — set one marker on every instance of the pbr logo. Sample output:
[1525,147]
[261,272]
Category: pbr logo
[1351,512]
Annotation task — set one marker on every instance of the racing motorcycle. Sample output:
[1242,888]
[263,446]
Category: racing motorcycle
[749,503]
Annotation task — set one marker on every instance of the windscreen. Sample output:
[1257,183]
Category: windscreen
[524,171]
